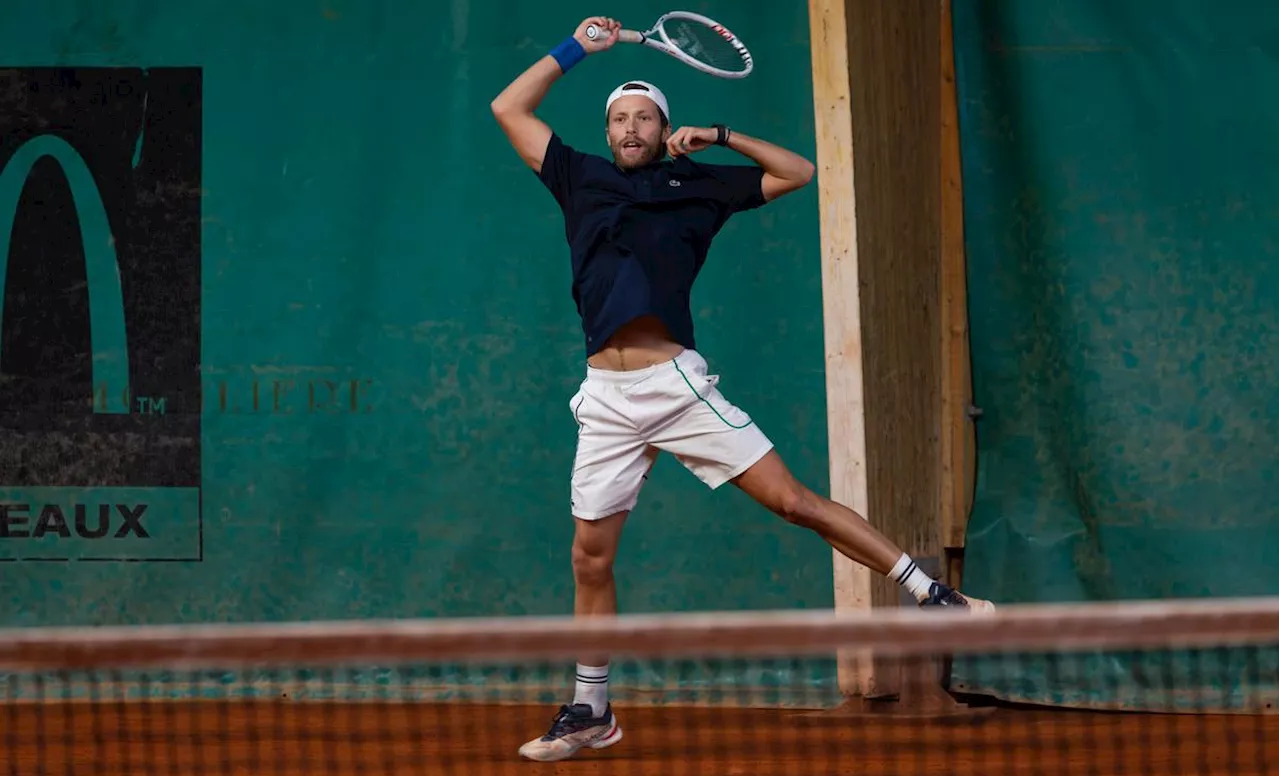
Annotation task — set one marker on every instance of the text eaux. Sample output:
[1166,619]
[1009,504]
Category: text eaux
[17,521]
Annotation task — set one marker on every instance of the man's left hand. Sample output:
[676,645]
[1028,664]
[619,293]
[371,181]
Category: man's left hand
[687,140]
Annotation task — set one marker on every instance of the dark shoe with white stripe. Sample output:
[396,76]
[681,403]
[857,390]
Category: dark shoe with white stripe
[941,595]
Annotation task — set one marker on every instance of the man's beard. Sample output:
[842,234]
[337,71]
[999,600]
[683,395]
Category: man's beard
[639,157]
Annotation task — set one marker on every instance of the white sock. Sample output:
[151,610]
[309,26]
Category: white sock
[592,686]
[906,573]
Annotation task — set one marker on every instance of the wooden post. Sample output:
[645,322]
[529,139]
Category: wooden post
[958,442]
[893,275]
[894,79]
[833,124]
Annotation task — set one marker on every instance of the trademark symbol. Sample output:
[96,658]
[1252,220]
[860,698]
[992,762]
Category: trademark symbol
[150,405]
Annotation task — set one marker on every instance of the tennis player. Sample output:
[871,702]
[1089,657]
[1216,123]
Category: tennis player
[639,226]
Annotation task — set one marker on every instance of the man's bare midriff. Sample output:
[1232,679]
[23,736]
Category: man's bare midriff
[639,344]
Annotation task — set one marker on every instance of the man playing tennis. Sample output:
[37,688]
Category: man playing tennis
[639,227]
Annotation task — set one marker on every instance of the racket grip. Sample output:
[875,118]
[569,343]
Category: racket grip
[624,36]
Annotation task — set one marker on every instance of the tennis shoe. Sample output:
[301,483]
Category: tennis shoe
[941,595]
[573,728]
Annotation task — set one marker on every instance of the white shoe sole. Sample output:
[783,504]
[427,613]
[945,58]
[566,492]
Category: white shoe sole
[978,606]
[551,755]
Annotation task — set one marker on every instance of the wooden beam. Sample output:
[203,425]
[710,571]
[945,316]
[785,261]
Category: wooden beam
[833,125]
[958,443]
[893,60]
[894,75]
[893,289]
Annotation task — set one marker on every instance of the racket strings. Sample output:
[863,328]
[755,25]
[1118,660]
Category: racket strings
[703,44]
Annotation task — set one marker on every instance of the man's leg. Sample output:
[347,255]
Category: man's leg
[595,545]
[771,483]
[588,720]
[719,443]
[609,470]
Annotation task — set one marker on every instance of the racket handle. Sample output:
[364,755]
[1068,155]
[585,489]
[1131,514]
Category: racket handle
[625,36]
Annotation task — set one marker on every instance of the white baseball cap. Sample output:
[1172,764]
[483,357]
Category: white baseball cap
[643,89]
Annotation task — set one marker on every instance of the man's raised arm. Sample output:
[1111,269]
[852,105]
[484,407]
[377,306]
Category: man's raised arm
[784,171]
[514,107]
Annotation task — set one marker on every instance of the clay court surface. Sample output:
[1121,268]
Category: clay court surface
[268,739]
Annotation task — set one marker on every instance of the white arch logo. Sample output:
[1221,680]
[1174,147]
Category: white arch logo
[107,336]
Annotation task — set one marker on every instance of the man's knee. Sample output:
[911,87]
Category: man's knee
[798,505]
[771,484]
[592,554]
[591,564]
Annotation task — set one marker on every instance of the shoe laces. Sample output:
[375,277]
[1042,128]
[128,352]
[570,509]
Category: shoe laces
[565,721]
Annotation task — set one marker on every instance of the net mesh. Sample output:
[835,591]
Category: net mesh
[1119,689]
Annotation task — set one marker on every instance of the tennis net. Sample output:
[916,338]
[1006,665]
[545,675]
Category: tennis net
[1126,688]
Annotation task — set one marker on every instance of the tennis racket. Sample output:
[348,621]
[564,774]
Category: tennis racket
[694,39]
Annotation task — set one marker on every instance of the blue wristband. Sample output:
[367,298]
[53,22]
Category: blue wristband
[568,53]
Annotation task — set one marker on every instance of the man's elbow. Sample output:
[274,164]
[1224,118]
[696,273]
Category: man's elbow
[510,117]
[505,108]
[499,108]
[797,179]
[806,174]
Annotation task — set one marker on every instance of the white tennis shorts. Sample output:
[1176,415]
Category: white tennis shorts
[625,419]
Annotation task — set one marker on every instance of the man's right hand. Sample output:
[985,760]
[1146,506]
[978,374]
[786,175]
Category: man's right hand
[607,33]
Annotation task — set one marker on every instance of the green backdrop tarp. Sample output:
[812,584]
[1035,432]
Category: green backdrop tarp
[350,337]
[1119,164]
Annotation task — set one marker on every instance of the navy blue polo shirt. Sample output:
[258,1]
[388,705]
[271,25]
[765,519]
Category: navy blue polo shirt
[638,238]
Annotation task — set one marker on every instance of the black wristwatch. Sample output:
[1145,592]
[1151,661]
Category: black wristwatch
[722,134]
